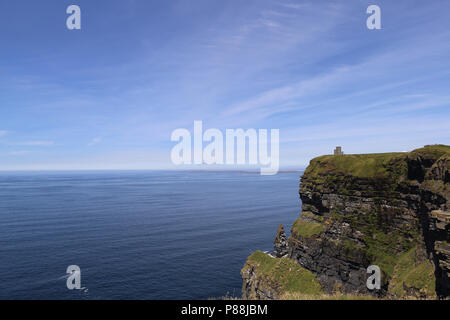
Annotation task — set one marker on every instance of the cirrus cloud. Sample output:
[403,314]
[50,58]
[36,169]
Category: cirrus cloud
[35,143]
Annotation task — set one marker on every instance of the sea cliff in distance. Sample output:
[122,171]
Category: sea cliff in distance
[391,210]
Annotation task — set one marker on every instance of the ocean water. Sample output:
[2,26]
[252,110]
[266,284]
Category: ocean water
[137,235]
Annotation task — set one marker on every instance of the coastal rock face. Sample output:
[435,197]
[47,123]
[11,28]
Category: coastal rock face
[389,210]
[439,226]
[258,288]
[266,277]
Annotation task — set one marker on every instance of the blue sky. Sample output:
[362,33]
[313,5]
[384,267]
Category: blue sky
[109,95]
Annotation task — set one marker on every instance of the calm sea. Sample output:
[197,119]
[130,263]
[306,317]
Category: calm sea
[137,235]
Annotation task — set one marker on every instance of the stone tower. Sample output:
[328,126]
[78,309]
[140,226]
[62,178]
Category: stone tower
[338,151]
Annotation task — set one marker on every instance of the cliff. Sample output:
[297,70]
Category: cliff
[391,210]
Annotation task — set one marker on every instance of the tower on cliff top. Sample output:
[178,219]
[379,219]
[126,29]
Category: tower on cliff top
[338,151]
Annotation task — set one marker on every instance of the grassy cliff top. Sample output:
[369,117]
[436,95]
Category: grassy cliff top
[290,276]
[433,151]
[374,165]
[304,228]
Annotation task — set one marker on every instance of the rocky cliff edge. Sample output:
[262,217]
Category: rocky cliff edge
[391,210]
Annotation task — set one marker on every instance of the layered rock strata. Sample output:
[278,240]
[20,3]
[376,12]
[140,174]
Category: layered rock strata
[389,210]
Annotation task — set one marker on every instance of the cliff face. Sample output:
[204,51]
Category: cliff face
[390,210]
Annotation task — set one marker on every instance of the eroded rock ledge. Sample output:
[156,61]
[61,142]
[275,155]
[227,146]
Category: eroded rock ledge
[391,210]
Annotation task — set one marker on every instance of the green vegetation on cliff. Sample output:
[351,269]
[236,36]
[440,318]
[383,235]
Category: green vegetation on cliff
[417,276]
[389,166]
[359,165]
[433,151]
[286,273]
[305,228]
[361,210]
[378,178]
[382,245]
[303,296]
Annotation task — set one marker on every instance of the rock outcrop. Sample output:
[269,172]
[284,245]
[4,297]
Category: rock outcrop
[389,210]
[267,277]
[439,226]
[280,244]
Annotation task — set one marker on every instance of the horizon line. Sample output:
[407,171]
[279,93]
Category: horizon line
[283,170]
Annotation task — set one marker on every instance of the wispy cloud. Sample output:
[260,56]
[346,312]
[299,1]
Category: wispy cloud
[18,153]
[282,95]
[296,6]
[35,143]
[95,141]
[309,68]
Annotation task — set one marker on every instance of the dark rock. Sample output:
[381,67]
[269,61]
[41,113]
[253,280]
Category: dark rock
[280,244]
[374,209]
